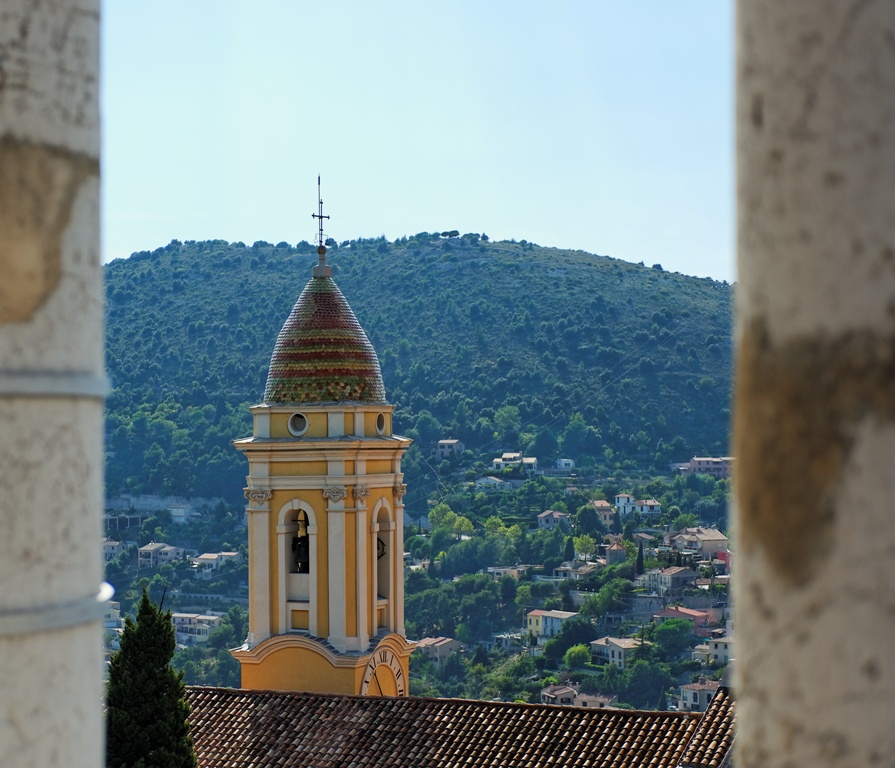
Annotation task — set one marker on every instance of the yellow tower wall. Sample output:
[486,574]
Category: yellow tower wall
[297,668]
[289,472]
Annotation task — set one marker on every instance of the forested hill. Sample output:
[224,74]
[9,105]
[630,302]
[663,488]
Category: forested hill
[504,345]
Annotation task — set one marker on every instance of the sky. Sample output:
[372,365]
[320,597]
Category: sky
[597,125]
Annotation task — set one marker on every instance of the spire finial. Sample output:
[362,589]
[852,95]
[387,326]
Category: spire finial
[322,269]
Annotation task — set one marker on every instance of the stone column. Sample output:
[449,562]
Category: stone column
[51,386]
[815,400]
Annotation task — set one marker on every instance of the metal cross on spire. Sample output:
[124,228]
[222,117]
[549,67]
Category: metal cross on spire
[319,215]
[322,269]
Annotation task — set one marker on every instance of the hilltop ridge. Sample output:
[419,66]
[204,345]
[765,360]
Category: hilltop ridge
[504,345]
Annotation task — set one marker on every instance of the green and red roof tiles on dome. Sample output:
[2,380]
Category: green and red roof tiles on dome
[322,354]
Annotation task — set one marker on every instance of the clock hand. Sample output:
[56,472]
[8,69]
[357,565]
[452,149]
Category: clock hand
[378,684]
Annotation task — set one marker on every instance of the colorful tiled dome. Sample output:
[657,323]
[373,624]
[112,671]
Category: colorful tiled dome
[322,354]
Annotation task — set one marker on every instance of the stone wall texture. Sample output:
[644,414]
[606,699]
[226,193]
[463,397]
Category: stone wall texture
[815,397]
[51,370]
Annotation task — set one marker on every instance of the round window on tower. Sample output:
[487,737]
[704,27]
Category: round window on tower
[380,424]
[298,424]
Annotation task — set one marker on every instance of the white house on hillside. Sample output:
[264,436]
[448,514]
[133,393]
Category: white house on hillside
[707,542]
[550,519]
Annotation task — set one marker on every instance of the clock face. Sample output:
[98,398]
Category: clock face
[384,675]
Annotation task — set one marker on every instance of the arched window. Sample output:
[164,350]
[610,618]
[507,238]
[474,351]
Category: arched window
[384,554]
[296,563]
[301,546]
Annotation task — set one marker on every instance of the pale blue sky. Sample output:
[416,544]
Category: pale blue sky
[600,125]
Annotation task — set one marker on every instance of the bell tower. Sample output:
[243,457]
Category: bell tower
[325,511]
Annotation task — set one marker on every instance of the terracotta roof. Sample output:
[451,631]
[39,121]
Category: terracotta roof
[678,611]
[705,685]
[241,728]
[703,534]
[674,570]
[555,690]
[627,643]
[712,744]
[322,354]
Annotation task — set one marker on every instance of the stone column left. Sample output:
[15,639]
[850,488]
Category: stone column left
[51,386]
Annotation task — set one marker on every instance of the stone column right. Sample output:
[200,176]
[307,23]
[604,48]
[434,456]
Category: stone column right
[814,432]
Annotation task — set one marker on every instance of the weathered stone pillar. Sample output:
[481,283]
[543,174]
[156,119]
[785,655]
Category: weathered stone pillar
[815,400]
[51,386]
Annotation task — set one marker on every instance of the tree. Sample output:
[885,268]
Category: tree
[585,545]
[508,422]
[146,711]
[638,567]
[609,598]
[574,631]
[686,520]
[569,553]
[672,637]
[462,526]
[588,520]
[645,683]
[442,516]
[576,656]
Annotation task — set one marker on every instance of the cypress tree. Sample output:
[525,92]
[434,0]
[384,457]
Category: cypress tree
[638,568]
[569,553]
[146,713]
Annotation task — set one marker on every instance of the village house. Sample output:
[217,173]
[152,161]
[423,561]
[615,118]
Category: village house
[112,615]
[155,554]
[529,464]
[497,572]
[112,548]
[649,507]
[595,700]
[616,650]
[490,484]
[552,621]
[507,641]
[667,582]
[438,649]
[569,696]
[695,697]
[205,564]
[704,542]
[543,625]
[720,468]
[699,619]
[562,468]
[721,650]
[624,503]
[183,513]
[616,553]
[448,449]
[701,653]
[551,519]
[562,695]
[576,569]
[605,513]
[193,628]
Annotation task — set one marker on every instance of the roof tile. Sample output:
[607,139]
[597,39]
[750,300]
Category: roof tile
[241,728]
[322,354]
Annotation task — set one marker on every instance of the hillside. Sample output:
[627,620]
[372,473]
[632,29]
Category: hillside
[504,345]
